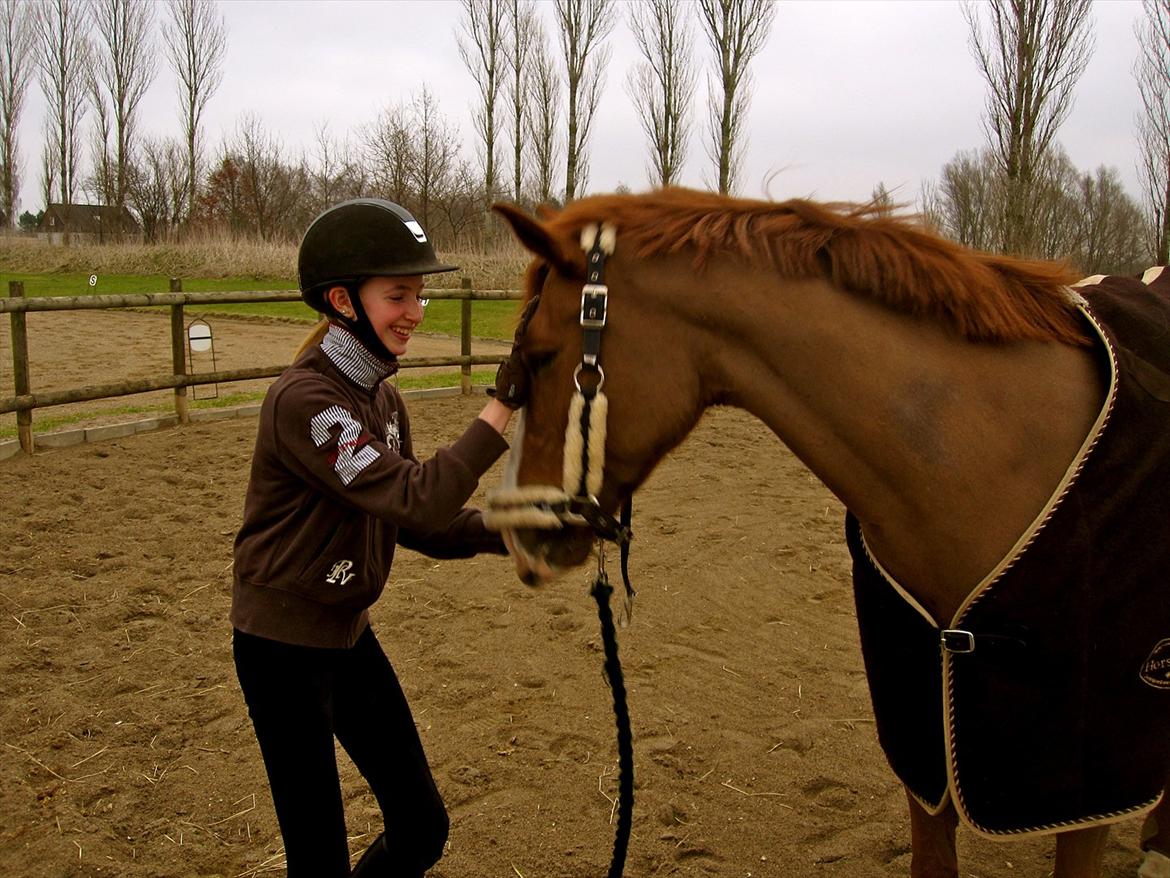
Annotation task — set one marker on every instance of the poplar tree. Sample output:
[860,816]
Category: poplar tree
[16,50]
[1152,72]
[196,37]
[63,62]
[1032,53]
[736,31]
[662,83]
[584,25]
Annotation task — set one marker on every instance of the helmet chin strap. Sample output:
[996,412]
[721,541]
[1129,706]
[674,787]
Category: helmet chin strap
[363,330]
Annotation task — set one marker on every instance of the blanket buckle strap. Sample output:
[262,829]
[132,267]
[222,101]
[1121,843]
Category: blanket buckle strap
[957,641]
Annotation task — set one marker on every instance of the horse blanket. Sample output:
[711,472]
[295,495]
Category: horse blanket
[1045,703]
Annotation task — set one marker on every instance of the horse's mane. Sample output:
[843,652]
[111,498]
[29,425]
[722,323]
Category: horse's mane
[862,248]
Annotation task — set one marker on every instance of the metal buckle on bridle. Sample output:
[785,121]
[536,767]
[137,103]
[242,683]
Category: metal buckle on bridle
[594,299]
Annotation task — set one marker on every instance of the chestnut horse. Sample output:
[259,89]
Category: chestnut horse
[950,399]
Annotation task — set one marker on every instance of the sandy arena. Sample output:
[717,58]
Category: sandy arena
[127,750]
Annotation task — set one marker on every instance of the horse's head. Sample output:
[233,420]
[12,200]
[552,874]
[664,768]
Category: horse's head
[648,378]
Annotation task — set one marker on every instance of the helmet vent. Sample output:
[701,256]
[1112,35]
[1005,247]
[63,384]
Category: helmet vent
[417,231]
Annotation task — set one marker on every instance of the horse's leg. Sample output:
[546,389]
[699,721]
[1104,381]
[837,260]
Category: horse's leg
[1156,829]
[1079,852]
[932,841]
[1156,839]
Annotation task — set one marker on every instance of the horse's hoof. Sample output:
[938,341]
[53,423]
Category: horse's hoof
[1155,865]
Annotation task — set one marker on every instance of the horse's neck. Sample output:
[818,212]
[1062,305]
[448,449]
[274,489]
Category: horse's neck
[945,450]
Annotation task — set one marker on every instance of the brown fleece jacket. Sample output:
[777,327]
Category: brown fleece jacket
[334,486]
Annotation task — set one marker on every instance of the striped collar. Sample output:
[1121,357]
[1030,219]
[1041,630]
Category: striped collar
[351,357]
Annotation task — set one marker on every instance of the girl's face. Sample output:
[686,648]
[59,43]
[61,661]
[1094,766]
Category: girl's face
[394,306]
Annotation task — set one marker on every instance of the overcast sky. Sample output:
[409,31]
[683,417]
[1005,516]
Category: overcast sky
[848,93]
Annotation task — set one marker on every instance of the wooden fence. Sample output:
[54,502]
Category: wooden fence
[25,400]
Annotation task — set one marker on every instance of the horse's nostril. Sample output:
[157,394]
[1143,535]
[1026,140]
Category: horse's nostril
[529,577]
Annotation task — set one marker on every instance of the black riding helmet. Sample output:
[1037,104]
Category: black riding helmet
[365,237]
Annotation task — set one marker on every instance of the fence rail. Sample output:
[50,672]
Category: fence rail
[24,401]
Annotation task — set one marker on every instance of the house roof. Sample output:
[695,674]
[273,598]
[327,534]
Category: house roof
[89,219]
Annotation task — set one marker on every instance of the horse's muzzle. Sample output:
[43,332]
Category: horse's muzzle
[543,555]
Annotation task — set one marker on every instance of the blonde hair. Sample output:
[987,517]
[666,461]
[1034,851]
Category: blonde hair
[314,337]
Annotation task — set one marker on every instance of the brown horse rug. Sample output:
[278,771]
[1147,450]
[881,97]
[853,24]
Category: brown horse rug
[1045,703]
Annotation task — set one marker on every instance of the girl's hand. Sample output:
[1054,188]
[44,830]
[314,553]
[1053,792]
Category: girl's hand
[497,415]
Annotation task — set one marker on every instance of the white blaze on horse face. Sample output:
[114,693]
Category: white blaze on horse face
[512,464]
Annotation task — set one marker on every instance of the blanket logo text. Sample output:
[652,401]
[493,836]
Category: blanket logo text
[1156,669]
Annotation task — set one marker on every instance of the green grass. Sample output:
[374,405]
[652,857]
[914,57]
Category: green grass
[489,319]
[54,423]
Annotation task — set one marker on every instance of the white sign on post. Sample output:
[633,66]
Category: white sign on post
[199,336]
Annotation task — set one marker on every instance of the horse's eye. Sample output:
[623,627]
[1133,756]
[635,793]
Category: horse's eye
[539,360]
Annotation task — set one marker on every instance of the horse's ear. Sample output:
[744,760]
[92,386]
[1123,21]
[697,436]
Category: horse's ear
[535,238]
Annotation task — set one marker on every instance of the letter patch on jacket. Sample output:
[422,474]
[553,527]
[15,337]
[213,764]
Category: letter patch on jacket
[353,452]
[339,573]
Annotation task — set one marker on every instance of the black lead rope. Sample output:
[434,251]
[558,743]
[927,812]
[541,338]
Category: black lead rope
[613,672]
[594,307]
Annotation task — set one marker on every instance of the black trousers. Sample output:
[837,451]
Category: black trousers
[299,698]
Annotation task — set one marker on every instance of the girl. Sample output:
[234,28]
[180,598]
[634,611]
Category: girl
[335,485]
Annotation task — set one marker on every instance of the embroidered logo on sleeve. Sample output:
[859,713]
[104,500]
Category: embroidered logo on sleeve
[1156,670]
[353,452]
[393,434]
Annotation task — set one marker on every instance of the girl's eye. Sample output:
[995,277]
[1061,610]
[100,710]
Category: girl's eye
[398,300]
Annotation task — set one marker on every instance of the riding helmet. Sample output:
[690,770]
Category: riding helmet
[364,237]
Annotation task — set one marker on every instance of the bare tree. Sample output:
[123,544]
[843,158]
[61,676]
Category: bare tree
[389,153]
[196,38]
[1032,53]
[966,204]
[123,68]
[661,84]
[16,48]
[583,24]
[222,201]
[1152,71]
[1087,219]
[49,163]
[157,186]
[1110,234]
[1057,224]
[437,146]
[101,183]
[455,206]
[736,30]
[63,59]
[333,176]
[544,98]
[482,50]
[271,188]
[522,34]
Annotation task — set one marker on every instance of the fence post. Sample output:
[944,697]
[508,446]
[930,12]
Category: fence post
[20,370]
[179,353]
[465,337]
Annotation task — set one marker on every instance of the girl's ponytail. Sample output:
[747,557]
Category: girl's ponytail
[314,337]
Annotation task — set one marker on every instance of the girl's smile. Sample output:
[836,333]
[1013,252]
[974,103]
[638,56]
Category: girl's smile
[394,307]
